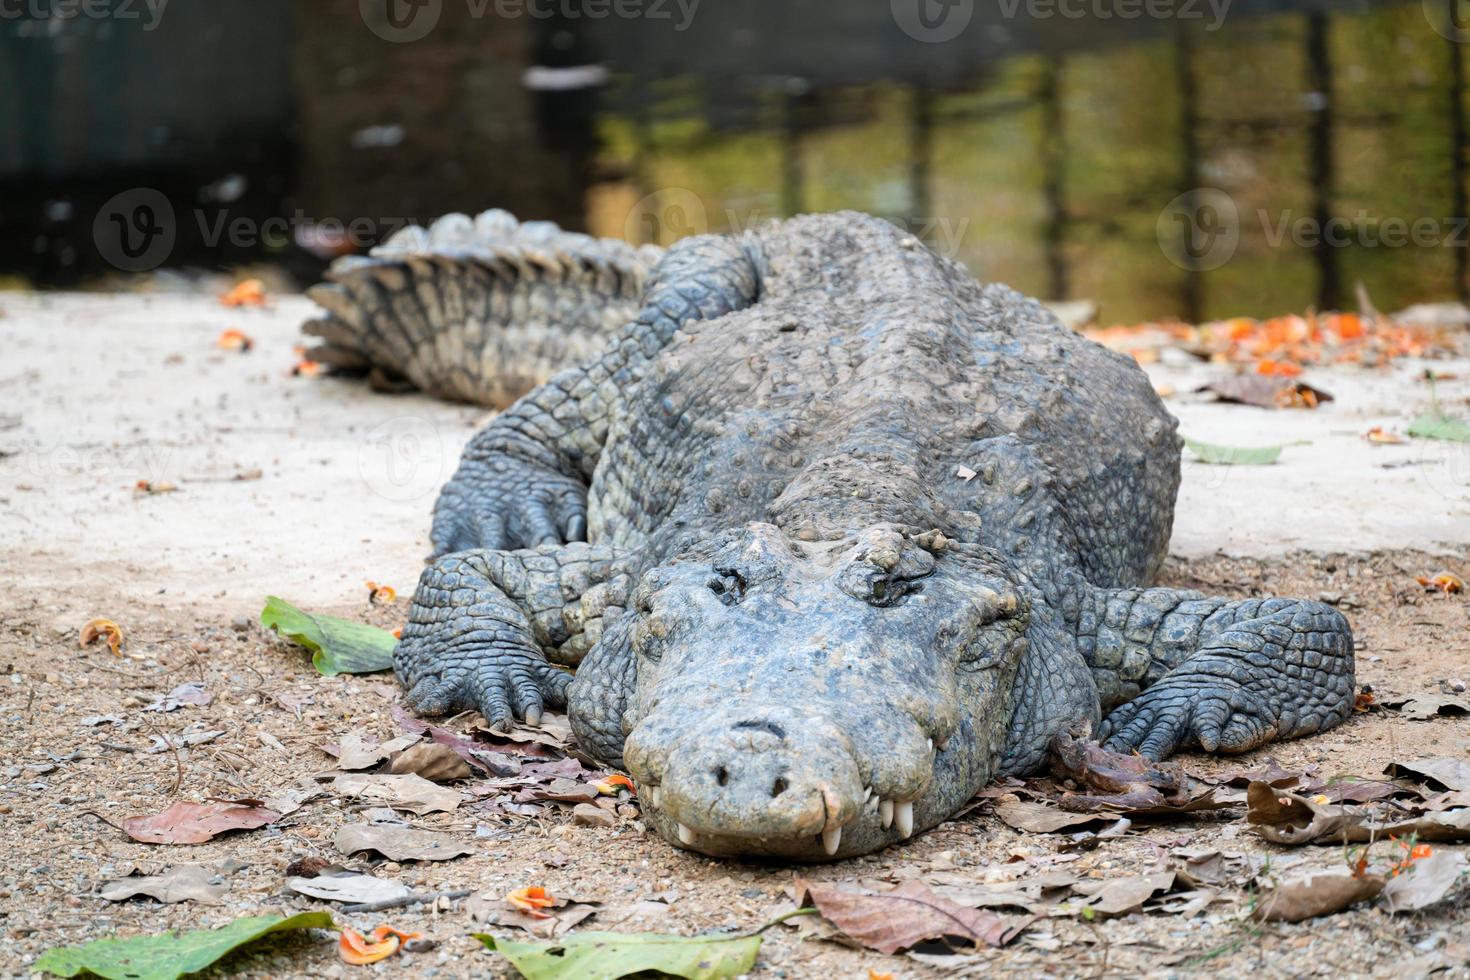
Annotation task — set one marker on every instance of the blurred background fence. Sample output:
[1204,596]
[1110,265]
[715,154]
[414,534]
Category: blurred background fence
[1185,158]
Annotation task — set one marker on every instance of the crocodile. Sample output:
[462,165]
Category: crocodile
[829,535]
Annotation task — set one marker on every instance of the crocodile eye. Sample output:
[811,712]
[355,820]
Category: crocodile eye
[728,584]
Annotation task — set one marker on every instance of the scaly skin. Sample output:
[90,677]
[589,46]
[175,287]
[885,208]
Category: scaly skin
[890,531]
[477,309]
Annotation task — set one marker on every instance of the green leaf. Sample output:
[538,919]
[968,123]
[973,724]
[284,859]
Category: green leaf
[1434,424]
[609,955]
[338,646]
[168,956]
[1233,455]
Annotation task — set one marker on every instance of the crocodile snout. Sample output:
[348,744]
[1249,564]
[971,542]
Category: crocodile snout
[774,777]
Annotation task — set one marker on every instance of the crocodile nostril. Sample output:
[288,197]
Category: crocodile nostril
[722,775]
[779,786]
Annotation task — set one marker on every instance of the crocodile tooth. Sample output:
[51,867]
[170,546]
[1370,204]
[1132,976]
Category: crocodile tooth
[867,793]
[831,840]
[653,796]
[903,816]
[686,836]
[931,744]
[885,812]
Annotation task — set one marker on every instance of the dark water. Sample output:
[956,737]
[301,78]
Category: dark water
[1250,158]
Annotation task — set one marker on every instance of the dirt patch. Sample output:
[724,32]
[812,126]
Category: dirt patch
[69,776]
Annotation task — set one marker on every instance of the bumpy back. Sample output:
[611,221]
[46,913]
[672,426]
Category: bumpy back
[871,375]
[477,309]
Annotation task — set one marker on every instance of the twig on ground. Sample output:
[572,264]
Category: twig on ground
[398,903]
[178,756]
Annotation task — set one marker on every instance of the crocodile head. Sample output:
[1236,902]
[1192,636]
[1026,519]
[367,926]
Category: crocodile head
[818,700]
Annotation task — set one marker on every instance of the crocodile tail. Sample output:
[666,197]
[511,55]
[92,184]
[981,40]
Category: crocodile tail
[477,309]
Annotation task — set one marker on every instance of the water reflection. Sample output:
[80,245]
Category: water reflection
[1265,156]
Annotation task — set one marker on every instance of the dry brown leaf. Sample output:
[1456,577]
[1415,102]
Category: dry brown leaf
[1317,893]
[1426,881]
[1266,391]
[1042,818]
[1120,896]
[195,823]
[190,692]
[340,885]
[399,843]
[1443,773]
[1419,707]
[1284,817]
[906,916]
[1123,784]
[404,791]
[433,761]
[359,750]
[185,883]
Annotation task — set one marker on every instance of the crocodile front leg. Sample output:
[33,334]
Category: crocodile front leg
[484,623]
[599,694]
[1225,675]
[523,479]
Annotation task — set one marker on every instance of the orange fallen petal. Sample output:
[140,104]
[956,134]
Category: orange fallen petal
[609,786]
[103,629]
[251,292]
[1379,435]
[381,594]
[384,931]
[306,368]
[398,633]
[875,975]
[1446,582]
[531,900]
[234,340]
[354,949]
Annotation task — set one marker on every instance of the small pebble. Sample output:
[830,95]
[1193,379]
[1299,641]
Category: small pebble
[593,816]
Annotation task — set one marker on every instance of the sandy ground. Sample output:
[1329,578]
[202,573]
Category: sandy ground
[111,390]
[102,392]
